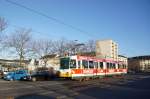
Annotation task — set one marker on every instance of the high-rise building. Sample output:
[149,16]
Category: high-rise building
[107,49]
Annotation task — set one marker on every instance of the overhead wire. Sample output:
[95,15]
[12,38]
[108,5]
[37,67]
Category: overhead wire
[50,18]
[33,30]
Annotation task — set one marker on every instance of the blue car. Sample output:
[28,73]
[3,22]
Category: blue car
[17,75]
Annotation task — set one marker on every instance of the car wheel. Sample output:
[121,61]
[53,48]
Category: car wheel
[34,79]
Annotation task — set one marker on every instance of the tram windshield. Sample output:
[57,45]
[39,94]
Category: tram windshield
[64,63]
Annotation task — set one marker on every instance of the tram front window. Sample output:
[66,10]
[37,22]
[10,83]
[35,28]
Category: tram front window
[64,63]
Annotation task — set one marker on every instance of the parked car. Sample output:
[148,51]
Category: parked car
[42,75]
[5,72]
[17,75]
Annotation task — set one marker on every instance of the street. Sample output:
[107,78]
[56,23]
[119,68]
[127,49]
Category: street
[124,87]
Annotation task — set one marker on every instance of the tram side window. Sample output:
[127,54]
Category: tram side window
[107,65]
[85,63]
[120,66]
[72,63]
[91,64]
[111,66]
[114,67]
[79,64]
[96,64]
[124,66]
[101,65]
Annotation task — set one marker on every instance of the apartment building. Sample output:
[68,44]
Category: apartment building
[107,49]
[139,63]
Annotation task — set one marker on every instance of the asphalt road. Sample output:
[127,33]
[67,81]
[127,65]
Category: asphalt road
[126,87]
[138,88]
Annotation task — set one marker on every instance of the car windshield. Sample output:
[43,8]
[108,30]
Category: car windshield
[10,73]
[40,72]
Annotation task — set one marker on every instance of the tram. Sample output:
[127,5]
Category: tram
[83,67]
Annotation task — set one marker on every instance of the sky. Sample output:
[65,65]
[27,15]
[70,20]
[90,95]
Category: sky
[127,22]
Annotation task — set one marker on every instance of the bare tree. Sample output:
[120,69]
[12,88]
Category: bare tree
[63,46]
[71,47]
[20,40]
[43,48]
[89,46]
[3,26]
[60,46]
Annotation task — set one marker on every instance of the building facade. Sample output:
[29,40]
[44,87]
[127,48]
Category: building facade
[9,65]
[50,61]
[47,61]
[123,59]
[107,49]
[139,63]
